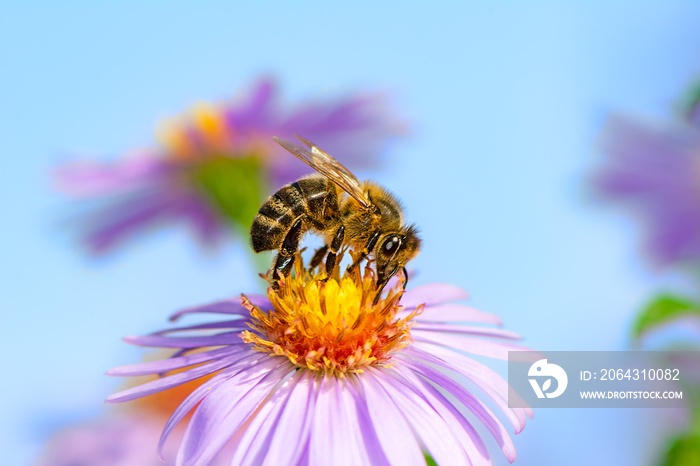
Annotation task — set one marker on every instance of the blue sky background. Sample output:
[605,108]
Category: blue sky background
[506,101]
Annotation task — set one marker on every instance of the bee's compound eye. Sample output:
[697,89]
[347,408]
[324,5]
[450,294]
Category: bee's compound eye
[391,245]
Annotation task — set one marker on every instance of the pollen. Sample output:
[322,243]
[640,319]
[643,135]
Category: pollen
[331,325]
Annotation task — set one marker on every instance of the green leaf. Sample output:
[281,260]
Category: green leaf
[691,98]
[661,310]
[429,461]
[235,186]
[684,451]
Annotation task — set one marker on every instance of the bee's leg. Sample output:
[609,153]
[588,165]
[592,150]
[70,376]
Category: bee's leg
[290,245]
[318,257]
[405,276]
[283,264]
[369,246]
[335,246]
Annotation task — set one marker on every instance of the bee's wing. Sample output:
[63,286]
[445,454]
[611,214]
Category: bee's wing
[327,166]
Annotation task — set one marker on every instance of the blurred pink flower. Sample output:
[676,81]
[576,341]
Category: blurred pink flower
[126,439]
[654,170]
[215,166]
[111,441]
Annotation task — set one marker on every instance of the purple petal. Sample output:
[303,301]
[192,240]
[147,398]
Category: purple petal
[165,365]
[255,441]
[355,128]
[90,178]
[653,169]
[424,420]
[126,216]
[238,324]
[490,421]
[225,306]
[304,458]
[484,377]
[470,440]
[360,416]
[226,338]
[190,402]
[170,381]
[487,380]
[291,435]
[258,113]
[435,293]
[324,439]
[393,431]
[349,418]
[456,313]
[115,439]
[467,330]
[238,370]
[665,147]
[226,409]
[488,348]
[333,438]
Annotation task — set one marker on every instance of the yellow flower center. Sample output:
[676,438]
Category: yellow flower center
[332,325]
[204,121]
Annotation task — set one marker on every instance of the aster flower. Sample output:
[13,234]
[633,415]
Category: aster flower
[214,165]
[318,373]
[655,170]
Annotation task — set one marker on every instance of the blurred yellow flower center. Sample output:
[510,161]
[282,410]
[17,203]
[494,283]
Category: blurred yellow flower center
[331,326]
[202,131]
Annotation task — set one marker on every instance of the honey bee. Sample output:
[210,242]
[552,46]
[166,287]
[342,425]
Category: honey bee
[345,211]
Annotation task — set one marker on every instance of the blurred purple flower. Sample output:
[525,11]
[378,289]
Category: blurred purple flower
[215,165]
[317,375]
[655,170]
[113,441]
[116,440]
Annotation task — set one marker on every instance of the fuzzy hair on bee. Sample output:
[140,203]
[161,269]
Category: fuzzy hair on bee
[364,216]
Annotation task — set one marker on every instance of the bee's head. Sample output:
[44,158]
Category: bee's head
[394,251]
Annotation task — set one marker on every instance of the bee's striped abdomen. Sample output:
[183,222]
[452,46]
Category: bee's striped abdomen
[307,197]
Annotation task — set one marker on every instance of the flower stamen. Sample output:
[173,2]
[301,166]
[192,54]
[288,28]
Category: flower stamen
[330,325]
